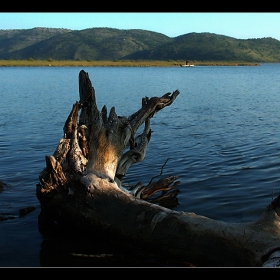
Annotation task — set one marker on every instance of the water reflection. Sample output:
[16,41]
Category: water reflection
[66,247]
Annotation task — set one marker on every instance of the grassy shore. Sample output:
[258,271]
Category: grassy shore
[126,63]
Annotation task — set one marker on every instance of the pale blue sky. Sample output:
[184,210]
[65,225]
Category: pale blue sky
[237,25]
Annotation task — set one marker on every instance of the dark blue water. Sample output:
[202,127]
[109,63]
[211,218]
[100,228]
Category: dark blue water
[221,136]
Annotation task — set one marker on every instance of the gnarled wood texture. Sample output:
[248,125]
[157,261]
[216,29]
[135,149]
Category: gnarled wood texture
[81,187]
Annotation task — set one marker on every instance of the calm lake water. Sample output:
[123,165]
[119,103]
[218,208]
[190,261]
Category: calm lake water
[221,136]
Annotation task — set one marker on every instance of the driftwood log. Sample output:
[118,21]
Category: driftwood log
[81,188]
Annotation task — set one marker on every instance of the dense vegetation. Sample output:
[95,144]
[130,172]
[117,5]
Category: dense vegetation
[129,46]
[109,63]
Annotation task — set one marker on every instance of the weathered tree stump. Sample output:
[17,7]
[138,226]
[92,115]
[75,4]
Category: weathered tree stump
[81,188]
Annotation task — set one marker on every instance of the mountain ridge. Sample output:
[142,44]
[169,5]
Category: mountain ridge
[104,43]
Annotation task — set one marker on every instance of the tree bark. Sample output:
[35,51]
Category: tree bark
[81,187]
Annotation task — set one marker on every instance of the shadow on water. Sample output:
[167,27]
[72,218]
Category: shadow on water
[66,247]
[41,241]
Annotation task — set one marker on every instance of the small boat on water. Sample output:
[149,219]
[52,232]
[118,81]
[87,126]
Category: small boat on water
[187,64]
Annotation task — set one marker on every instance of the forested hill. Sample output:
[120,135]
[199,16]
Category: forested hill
[132,44]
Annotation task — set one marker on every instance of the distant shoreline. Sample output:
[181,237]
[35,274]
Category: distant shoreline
[89,63]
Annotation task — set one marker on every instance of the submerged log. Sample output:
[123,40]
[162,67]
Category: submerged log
[81,188]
